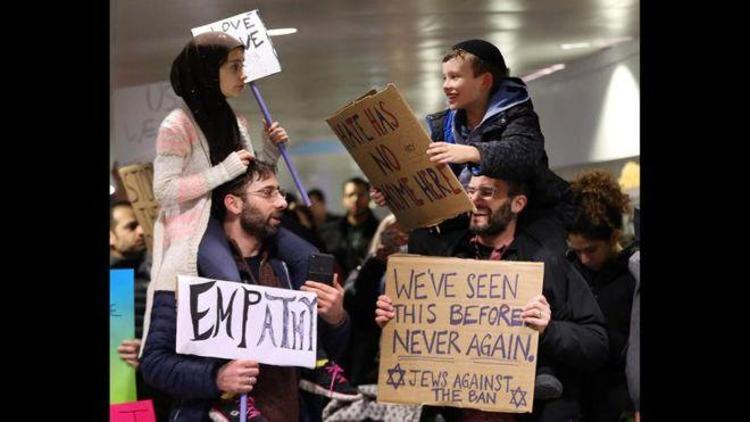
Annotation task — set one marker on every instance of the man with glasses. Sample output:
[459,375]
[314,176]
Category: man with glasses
[249,210]
[348,238]
[572,334]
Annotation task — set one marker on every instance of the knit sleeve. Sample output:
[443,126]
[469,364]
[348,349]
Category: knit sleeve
[176,141]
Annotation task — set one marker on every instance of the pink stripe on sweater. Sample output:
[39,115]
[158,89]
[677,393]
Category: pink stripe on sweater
[190,187]
[182,226]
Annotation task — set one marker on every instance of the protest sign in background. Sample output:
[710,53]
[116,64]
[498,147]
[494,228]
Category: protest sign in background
[139,411]
[458,338]
[121,327]
[138,181]
[380,132]
[260,56]
[231,320]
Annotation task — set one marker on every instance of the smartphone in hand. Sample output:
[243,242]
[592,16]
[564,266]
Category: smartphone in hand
[320,268]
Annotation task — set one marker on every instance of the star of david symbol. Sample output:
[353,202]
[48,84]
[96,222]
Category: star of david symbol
[522,397]
[396,370]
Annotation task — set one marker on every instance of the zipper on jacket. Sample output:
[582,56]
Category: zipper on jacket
[177,412]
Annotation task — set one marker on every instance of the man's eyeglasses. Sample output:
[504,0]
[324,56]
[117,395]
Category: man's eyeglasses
[269,192]
[485,192]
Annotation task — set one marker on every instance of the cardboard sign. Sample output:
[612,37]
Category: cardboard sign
[458,338]
[137,112]
[385,139]
[139,186]
[121,327]
[260,56]
[229,320]
[139,411]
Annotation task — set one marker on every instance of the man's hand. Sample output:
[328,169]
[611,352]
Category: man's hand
[237,376]
[384,311]
[330,300]
[391,240]
[444,153]
[128,352]
[537,313]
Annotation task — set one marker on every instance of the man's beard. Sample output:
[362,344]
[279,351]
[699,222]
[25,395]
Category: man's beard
[497,223]
[253,222]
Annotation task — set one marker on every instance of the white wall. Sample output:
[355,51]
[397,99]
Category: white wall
[590,111]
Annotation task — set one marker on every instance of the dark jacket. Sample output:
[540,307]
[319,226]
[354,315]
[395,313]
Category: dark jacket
[613,288]
[575,340]
[511,147]
[336,236]
[362,289]
[605,394]
[192,379]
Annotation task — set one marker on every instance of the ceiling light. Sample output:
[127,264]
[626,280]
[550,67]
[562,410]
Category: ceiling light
[543,72]
[574,45]
[281,31]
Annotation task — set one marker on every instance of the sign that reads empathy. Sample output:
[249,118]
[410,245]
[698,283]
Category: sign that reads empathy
[231,320]
[260,56]
[458,338]
[385,139]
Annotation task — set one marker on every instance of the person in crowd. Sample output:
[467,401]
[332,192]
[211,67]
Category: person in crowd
[249,208]
[127,250]
[595,250]
[201,145]
[490,128]
[633,358]
[572,331]
[319,207]
[348,237]
[299,220]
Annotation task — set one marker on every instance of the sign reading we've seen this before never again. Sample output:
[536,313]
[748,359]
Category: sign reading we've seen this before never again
[458,338]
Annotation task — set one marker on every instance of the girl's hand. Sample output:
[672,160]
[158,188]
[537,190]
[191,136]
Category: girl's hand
[245,156]
[277,133]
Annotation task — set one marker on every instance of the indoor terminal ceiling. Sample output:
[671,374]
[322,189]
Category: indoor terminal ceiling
[345,47]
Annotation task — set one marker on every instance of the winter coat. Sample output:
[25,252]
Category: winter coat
[192,379]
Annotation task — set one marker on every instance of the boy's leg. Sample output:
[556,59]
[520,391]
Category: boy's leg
[546,384]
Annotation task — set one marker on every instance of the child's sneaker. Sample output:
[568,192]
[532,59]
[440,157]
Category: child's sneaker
[229,411]
[328,380]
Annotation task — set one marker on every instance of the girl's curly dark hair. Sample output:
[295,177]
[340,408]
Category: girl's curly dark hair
[600,205]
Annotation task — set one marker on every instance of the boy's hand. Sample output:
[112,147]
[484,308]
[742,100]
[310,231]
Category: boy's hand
[378,197]
[444,153]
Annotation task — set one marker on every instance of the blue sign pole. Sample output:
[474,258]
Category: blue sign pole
[282,147]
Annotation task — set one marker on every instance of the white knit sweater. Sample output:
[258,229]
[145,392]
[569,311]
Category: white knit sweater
[183,181]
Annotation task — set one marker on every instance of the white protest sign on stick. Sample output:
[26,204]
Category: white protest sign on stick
[230,320]
[260,56]
[458,338]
